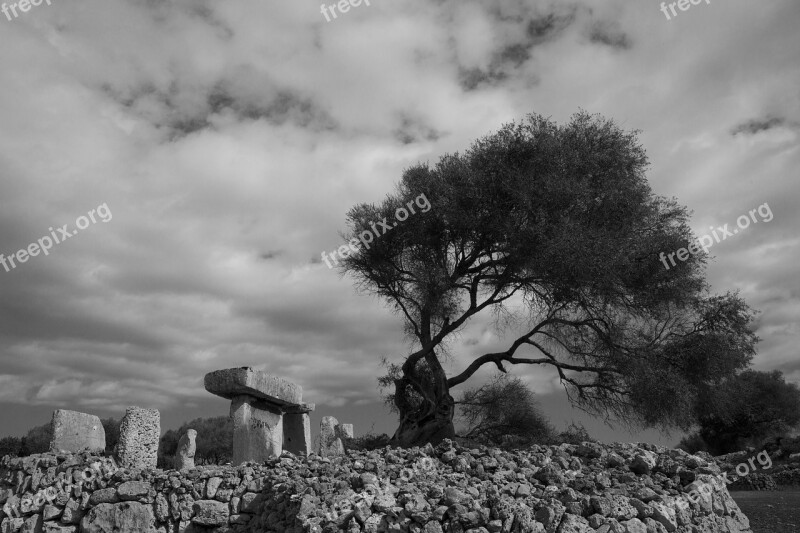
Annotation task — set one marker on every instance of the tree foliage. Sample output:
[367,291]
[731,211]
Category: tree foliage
[214,441]
[37,440]
[111,427]
[10,446]
[556,231]
[745,410]
[504,411]
[574,433]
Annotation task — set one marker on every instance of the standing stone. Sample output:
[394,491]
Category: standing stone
[257,430]
[297,429]
[345,431]
[258,403]
[330,445]
[74,432]
[184,457]
[139,433]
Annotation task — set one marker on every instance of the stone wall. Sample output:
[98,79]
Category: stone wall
[620,488]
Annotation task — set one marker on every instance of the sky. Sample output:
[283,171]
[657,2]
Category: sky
[214,149]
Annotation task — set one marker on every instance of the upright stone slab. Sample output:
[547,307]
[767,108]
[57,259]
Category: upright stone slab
[139,433]
[297,429]
[184,457]
[257,430]
[258,403]
[345,431]
[74,432]
[330,445]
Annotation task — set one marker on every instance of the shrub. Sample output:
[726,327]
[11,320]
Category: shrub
[693,443]
[369,441]
[573,434]
[504,413]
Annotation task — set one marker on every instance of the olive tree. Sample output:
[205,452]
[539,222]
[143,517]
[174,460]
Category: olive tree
[555,229]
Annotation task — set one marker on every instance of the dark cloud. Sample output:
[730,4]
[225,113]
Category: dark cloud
[751,127]
[609,35]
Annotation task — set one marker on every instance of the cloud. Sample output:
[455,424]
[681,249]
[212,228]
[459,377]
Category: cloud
[230,139]
[754,126]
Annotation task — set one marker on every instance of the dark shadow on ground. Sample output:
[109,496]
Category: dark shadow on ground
[771,511]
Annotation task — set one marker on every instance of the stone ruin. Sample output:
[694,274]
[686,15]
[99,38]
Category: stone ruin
[184,458]
[139,434]
[618,487]
[75,432]
[333,436]
[267,411]
[268,416]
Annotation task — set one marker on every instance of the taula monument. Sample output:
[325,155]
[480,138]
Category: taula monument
[267,412]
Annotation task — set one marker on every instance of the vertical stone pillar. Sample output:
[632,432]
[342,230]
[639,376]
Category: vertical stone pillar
[139,433]
[345,431]
[184,457]
[297,429]
[330,445]
[257,430]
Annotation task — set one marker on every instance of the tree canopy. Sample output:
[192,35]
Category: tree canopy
[744,410]
[555,229]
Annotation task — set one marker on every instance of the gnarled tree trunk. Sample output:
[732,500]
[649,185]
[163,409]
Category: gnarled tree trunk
[426,408]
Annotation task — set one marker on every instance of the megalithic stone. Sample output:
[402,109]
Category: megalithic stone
[184,457]
[139,433]
[233,382]
[345,431]
[297,429]
[257,430]
[330,445]
[75,432]
[258,402]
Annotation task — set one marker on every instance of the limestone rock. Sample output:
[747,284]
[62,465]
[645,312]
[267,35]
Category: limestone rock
[257,430]
[139,433]
[210,513]
[184,458]
[118,518]
[574,524]
[103,496]
[233,382]
[53,527]
[32,524]
[345,431]
[297,429]
[74,432]
[132,490]
[330,445]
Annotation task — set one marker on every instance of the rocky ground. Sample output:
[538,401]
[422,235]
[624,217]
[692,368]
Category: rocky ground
[588,488]
[563,489]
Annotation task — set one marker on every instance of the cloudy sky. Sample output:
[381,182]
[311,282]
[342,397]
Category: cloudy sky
[225,141]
